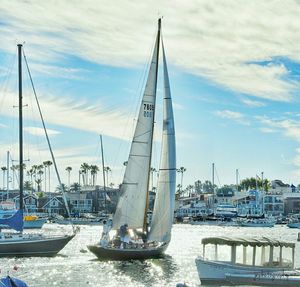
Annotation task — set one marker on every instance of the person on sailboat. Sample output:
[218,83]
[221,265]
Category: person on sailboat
[124,235]
[107,225]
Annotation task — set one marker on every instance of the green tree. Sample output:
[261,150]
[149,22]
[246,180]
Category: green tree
[198,186]
[225,190]
[61,188]
[254,183]
[75,187]
[28,185]
[208,187]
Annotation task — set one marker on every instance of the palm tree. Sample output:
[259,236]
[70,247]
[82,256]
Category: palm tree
[107,169]
[47,165]
[181,170]
[69,169]
[28,185]
[75,187]
[84,171]
[38,182]
[190,189]
[31,173]
[61,188]
[4,169]
[94,170]
[34,169]
[125,163]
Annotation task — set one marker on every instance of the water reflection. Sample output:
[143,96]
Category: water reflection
[149,272]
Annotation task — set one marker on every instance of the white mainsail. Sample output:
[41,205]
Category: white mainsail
[163,212]
[132,202]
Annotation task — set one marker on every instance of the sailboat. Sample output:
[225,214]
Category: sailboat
[18,243]
[133,203]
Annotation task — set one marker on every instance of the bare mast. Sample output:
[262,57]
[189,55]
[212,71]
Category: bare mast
[20,125]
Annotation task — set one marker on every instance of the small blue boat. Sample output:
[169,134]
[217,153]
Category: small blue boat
[12,282]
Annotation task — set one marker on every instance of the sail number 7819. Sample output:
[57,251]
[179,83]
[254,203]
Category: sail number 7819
[148,110]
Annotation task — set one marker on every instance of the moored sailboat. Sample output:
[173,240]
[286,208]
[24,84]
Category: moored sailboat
[22,244]
[146,241]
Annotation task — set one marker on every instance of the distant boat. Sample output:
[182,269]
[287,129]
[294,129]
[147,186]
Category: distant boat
[8,209]
[21,244]
[226,211]
[256,222]
[34,222]
[239,269]
[132,206]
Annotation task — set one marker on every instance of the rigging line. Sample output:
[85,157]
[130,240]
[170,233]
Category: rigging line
[217,177]
[48,141]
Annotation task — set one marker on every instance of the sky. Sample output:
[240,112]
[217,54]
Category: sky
[234,69]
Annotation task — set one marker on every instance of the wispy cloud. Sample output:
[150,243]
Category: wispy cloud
[267,130]
[223,41]
[35,131]
[231,115]
[287,127]
[79,114]
[252,103]
[58,72]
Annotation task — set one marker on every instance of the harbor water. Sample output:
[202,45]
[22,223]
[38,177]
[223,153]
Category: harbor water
[76,266]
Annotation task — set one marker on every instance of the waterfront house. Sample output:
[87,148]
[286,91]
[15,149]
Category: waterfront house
[30,202]
[52,205]
[277,187]
[249,202]
[291,203]
[273,204]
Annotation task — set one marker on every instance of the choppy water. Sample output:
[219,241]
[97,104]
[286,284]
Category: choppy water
[75,266]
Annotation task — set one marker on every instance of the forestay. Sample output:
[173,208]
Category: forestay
[165,197]
[132,203]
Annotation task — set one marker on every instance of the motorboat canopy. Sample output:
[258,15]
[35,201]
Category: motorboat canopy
[236,241]
[262,243]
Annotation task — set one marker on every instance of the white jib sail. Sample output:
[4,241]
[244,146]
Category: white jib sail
[163,212]
[132,202]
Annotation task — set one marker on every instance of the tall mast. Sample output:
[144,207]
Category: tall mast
[237,179]
[7,179]
[213,184]
[103,172]
[20,124]
[145,229]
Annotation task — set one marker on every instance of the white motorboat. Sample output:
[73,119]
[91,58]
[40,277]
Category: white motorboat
[257,222]
[282,278]
[240,267]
